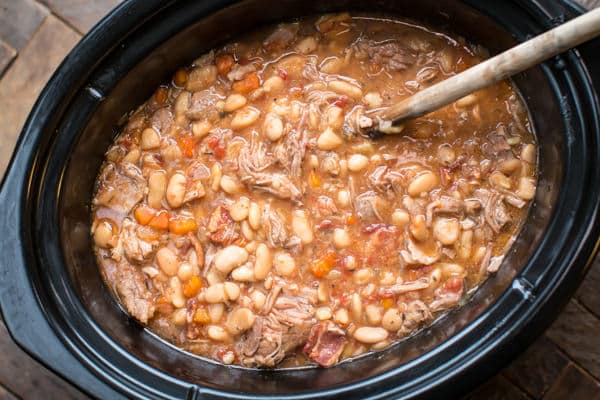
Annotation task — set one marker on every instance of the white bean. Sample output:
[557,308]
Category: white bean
[328,140]
[422,183]
[418,228]
[341,238]
[370,335]
[185,271]
[284,263]
[232,291]
[199,78]
[244,273]
[228,358]
[528,153]
[150,139]
[273,84]
[362,276]
[103,235]
[346,88]
[500,181]
[356,307]
[157,185]
[216,173]
[323,313]
[177,297]
[254,216]
[509,166]
[167,261]
[247,231]
[466,244]
[234,102]
[258,299]
[446,154]
[217,333]
[176,190]
[179,316]
[215,293]
[239,209]
[392,320]
[335,117]
[373,314]
[400,218]
[466,101]
[526,188]
[357,162]
[264,261]
[240,320]
[446,230]
[341,316]
[215,312]
[201,128]
[301,226]
[229,258]
[230,185]
[273,127]
[244,118]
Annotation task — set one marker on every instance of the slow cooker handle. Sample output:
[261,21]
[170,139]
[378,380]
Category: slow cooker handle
[21,312]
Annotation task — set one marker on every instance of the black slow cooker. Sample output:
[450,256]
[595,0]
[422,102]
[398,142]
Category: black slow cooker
[57,308]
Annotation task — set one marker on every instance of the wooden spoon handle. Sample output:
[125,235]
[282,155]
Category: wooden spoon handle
[508,63]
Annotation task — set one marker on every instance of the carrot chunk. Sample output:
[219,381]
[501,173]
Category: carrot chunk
[192,286]
[247,84]
[181,226]
[224,63]
[321,267]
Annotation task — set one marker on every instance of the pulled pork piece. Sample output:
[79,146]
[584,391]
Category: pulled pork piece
[221,228]
[122,187]
[286,327]
[356,121]
[290,151]
[418,254]
[386,181]
[495,145]
[133,292]
[283,35]
[204,105]
[415,314]
[238,71]
[369,206]
[390,53]
[252,162]
[443,205]
[135,247]
[274,226]
[325,343]
[495,212]
[405,287]
[448,295]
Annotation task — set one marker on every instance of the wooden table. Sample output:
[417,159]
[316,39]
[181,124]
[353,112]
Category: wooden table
[35,36]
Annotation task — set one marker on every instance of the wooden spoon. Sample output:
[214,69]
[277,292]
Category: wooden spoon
[517,59]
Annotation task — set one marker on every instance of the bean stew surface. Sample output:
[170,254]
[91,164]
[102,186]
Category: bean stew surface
[243,215]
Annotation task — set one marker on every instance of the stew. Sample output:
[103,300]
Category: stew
[243,215]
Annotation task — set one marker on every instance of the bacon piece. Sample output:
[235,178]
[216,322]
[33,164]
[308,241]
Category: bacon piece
[325,343]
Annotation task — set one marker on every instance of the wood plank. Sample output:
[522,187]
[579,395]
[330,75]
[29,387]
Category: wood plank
[19,19]
[7,54]
[538,368]
[588,291]
[497,388]
[27,378]
[576,332]
[574,384]
[81,14]
[6,395]
[26,77]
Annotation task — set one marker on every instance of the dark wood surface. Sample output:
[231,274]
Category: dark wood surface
[36,35]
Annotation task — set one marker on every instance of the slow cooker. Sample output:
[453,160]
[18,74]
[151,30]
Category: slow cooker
[57,308]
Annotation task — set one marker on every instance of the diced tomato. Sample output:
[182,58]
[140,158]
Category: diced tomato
[180,77]
[282,73]
[181,226]
[454,284]
[186,144]
[224,63]
[192,286]
[247,84]
[321,267]
[216,145]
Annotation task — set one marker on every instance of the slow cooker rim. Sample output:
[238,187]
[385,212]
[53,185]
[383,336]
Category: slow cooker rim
[31,130]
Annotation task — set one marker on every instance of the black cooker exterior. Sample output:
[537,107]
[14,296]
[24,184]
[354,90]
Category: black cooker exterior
[46,317]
